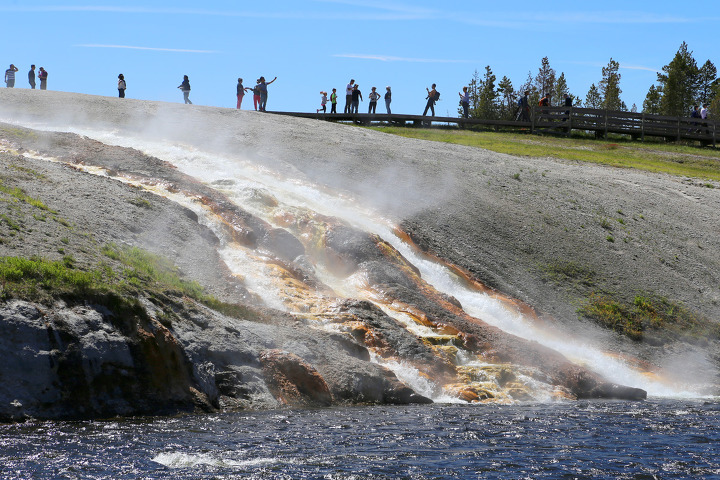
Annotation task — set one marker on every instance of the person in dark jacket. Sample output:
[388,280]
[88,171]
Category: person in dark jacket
[31,77]
[121,86]
[185,87]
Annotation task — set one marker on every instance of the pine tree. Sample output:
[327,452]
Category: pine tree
[487,102]
[610,87]
[545,79]
[561,89]
[593,99]
[679,82]
[474,95]
[707,76]
[652,101]
[509,99]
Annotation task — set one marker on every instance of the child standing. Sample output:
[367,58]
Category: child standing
[323,103]
[333,101]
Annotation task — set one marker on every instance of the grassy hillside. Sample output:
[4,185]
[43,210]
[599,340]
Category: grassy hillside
[674,159]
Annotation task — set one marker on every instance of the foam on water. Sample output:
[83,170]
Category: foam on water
[177,460]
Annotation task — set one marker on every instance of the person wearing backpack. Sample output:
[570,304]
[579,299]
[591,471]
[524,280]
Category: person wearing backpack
[185,87]
[333,101]
[432,97]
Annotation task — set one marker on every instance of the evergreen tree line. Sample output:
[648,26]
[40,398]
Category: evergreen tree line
[680,86]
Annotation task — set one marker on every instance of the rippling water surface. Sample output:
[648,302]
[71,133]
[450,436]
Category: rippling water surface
[664,439]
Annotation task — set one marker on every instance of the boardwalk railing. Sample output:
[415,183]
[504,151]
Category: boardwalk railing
[559,120]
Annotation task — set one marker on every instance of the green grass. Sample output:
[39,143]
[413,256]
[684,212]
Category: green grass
[674,159]
[656,320]
[140,273]
[19,195]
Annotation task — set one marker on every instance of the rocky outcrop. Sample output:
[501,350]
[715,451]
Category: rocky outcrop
[293,381]
[84,362]
[73,362]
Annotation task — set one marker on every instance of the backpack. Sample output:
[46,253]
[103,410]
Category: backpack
[437,96]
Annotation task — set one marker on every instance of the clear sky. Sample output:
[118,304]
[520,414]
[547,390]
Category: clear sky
[320,44]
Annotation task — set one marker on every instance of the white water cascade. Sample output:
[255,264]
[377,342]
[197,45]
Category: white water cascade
[240,179]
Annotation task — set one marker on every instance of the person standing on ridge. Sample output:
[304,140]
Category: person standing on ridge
[374,96]
[348,95]
[10,76]
[42,75]
[388,99]
[121,86]
[256,94]
[356,99]
[523,114]
[240,92]
[185,87]
[264,92]
[432,97]
[31,77]
[333,101]
[465,101]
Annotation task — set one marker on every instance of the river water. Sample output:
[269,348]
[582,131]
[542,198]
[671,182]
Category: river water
[584,440]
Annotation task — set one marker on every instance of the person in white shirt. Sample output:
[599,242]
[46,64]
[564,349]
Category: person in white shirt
[348,95]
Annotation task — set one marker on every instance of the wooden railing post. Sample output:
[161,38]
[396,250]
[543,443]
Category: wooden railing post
[532,120]
[642,128]
[678,129]
[569,125]
[606,131]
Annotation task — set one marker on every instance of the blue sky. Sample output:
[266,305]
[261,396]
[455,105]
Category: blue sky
[321,44]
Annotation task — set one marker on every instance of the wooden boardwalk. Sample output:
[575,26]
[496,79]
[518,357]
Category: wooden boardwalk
[557,120]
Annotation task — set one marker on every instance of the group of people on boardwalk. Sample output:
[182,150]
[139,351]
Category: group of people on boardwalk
[260,93]
[353,97]
[42,75]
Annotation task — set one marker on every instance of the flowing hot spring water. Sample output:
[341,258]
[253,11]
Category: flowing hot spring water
[268,194]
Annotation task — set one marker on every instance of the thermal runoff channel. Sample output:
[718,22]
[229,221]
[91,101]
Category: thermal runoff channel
[433,301]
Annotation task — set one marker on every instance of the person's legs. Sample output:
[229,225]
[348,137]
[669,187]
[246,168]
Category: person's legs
[239,101]
[348,103]
[256,101]
[121,93]
[387,106]
[333,108]
[263,101]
